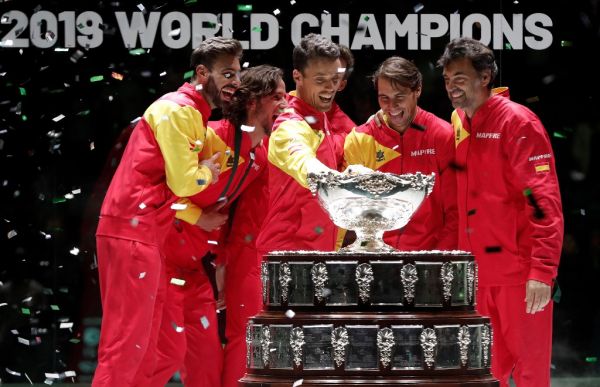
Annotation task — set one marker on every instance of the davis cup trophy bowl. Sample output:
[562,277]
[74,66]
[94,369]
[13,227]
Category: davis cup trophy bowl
[370,203]
[369,315]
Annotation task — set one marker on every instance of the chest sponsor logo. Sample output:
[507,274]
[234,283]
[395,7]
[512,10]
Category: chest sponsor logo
[488,135]
[540,157]
[421,152]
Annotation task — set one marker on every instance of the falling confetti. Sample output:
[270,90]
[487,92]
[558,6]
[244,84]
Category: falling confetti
[11,234]
[74,251]
[178,206]
[418,7]
[276,11]
[142,206]
[142,275]
[310,119]
[177,281]
[204,321]
[290,313]
[248,129]
[298,383]
[244,7]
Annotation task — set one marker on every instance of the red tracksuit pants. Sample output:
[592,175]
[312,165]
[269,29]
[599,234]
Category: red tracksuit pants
[522,343]
[132,293]
[243,297]
[189,338]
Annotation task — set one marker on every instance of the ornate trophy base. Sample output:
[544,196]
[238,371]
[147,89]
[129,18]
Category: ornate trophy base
[369,319]
[480,381]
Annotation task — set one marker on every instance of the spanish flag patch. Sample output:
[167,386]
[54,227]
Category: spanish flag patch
[544,167]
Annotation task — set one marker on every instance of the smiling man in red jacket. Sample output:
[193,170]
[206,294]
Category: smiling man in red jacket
[302,140]
[189,337]
[159,164]
[410,140]
[510,213]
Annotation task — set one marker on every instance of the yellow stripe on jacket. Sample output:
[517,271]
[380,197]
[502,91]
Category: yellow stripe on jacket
[179,131]
[362,148]
[292,145]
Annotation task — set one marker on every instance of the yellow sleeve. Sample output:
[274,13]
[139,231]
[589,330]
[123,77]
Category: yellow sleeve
[190,214]
[352,150]
[291,146]
[180,133]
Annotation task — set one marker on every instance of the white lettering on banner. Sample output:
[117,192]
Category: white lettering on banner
[421,152]
[539,157]
[178,30]
[488,135]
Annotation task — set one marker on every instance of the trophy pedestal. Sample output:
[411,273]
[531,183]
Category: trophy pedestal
[368,319]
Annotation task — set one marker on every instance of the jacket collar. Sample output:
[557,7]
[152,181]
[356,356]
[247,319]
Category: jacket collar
[201,104]
[314,118]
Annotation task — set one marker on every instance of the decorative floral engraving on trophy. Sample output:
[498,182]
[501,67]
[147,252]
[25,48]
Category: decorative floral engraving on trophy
[486,341]
[248,342]
[370,202]
[464,339]
[297,342]
[428,340]
[285,277]
[408,276]
[265,343]
[264,278]
[376,186]
[470,281]
[447,275]
[339,341]
[319,279]
[364,278]
[385,344]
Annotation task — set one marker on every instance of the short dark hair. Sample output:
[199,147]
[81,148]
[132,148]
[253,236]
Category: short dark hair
[314,46]
[480,55]
[346,56]
[210,49]
[400,72]
[255,82]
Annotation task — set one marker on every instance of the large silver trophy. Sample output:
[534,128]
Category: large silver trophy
[370,202]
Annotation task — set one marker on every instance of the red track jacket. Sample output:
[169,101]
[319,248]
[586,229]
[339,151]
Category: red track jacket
[158,164]
[510,213]
[427,146]
[188,243]
[295,220]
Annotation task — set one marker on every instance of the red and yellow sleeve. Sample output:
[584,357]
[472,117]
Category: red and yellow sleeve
[180,133]
[292,146]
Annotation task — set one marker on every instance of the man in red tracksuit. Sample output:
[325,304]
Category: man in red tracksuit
[159,163]
[410,140]
[242,276]
[510,212]
[189,337]
[302,140]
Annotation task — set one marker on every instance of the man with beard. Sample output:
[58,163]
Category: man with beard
[301,141]
[189,339]
[160,163]
[409,140]
[509,209]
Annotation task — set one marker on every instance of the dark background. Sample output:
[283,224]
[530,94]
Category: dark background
[44,282]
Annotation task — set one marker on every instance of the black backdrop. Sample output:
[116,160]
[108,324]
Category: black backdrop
[54,172]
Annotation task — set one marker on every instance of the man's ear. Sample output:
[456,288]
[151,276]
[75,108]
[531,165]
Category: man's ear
[202,74]
[342,85]
[297,76]
[486,77]
[418,91]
